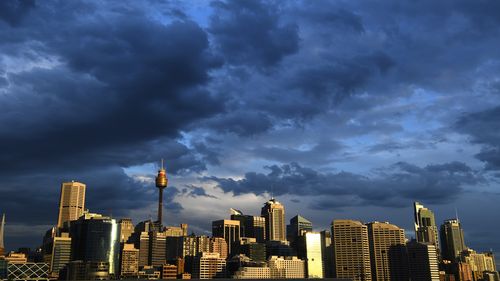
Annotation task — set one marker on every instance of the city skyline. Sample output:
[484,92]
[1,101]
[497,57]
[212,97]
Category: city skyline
[339,109]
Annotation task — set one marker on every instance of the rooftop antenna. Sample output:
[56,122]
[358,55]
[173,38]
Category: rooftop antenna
[456,214]
[272,191]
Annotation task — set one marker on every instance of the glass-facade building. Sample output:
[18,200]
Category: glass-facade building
[95,238]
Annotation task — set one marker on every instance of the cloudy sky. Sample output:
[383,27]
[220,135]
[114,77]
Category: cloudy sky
[341,109]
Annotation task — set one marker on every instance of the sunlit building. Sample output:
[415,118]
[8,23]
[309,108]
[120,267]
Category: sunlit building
[126,229]
[71,202]
[351,250]
[129,261]
[208,266]
[425,226]
[274,214]
[388,256]
[286,267]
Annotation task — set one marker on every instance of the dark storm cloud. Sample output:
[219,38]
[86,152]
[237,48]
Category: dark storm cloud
[251,33]
[390,186]
[12,12]
[484,128]
[125,82]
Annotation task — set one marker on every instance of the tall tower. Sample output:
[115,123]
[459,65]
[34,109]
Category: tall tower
[425,226]
[387,251]
[161,184]
[452,239]
[2,226]
[274,213]
[71,202]
[351,250]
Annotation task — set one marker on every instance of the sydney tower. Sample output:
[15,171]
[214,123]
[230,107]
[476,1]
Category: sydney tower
[161,183]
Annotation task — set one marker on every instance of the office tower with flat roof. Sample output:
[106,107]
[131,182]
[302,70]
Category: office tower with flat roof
[250,226]
[422,261]
[274,214]
[227,229]
[310,252]
[2,245]
[61,253]
[387,254]
[452,239]
[326,253]
[351,250]
[479,262]
[71,202]
[286,267]
[95,238]
[425,226]
[209,266]
[129,261]
[251,249]
[157,248]
[126,229]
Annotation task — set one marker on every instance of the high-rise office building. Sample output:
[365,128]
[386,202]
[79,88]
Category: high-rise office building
[209,266]
[310,251]
[422,261]
[143,245]
[250,226]
[425,226]
[452,239]
[351,250]
[126,229]
[61,253]
[251,249]
[298,226]
[220,246]
[157,248]
[479,262]
[327,253]
[274,213]
[71,202]
[227,229]
[95,238]
[2,245]
[129,261]
[387,254]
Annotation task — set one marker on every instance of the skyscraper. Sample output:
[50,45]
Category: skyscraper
[326,252]
[61,253]
[2,245]
[129,261]
[94,238]
[227,229]
[425,226]
[71,202]
[387,255]
[423,261]
[161,184]
[312,254]
[351,250]
[126,229]
[297,227]
[274,213]
[452,239]
[251,226]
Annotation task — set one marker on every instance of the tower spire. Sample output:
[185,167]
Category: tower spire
[2,227]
